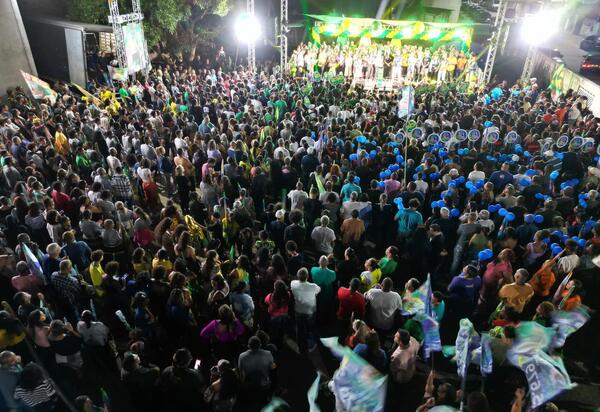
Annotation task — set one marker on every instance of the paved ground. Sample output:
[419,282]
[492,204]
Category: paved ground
[568,45]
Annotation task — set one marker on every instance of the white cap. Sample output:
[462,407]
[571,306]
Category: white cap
[280,214]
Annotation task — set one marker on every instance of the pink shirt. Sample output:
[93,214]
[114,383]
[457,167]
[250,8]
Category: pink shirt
[494,273]
[273,311]
[222,333]
[30,284]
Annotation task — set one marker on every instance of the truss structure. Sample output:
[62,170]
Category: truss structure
[251,44]
[117,21]
[283,40]
[499,24]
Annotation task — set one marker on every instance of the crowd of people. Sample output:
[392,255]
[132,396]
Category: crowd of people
[181,242]
[408,64]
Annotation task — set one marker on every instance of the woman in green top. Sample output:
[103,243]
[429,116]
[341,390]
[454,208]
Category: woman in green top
[389,262]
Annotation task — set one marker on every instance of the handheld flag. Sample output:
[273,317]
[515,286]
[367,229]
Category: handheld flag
[33,263]
[117,73]
[431,334]
[565,323]
[312,394]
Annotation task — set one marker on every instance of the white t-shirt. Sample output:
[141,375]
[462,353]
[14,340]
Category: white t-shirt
[297,198]
[383,305]
[305,296]
[323,238]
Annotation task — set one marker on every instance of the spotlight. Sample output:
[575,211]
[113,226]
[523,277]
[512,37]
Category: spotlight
[538,27]
[247,28]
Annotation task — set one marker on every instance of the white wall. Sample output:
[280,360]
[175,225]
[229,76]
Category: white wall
[15,54]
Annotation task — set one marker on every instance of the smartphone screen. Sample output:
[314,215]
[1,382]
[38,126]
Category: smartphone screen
[197,364]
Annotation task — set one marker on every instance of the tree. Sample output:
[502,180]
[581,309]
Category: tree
[178,21]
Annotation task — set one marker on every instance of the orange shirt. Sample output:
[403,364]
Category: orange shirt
[542,281]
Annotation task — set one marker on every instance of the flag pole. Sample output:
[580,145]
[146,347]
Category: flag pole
[463,381]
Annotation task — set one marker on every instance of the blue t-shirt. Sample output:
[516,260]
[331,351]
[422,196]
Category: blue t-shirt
[500,179]
[378,361]
[464,290]
[347,190]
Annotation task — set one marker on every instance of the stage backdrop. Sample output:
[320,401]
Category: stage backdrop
[133,36]
[346,27]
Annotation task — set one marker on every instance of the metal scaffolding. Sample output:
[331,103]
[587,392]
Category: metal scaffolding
[118,20]
[252,43]
[283,40]
[529,64]
[499,24]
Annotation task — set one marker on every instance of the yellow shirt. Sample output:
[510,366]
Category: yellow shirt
[516,296]
[96,274]
[61,144]
[166,263]
[370,279]
[451,63]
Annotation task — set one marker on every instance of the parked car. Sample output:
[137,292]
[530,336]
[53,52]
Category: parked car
[590,64]
[590,43]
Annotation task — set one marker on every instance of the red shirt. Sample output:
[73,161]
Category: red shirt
[62,201]
[350,302]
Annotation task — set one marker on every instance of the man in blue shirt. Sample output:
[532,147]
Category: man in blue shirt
[408,219]
[500,178]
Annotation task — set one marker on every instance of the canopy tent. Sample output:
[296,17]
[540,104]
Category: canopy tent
[350,27]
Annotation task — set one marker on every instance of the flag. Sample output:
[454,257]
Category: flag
[319,184]
[39,88]
[431,334]
[486,360]
[312,394]
[565,323]
[556,83]
[33,264]
[105,398]
[117,73]
[463,341]
[357,385]
[90,97]
[420,301]
[546,375]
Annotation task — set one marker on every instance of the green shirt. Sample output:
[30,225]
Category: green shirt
[387,266]
[325,278]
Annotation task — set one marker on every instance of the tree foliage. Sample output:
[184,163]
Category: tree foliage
[175,22]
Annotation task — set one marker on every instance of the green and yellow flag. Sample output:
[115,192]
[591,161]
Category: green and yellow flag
[39,88]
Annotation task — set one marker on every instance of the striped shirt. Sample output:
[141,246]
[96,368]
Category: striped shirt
[41,394]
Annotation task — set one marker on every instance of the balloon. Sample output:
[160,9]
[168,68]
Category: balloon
[564,238]
[448,161]
[485,254]
[554,175]
[510,216]
[525,182]
[575,238]
[441,203]
[461,179]
[488,123]
[455,212]
[554,245]
[526,153]
[399,159]
[479,184]
[515,158]
[583,203]
[492,209]
[469,185]
[538,219]
[434,204]
[452,184]
[582,242]
[559,155]
[353,157]
[357,180]
[396,150]
[502,212]
[530,172]
[398,200]
[556,250]
[557,233]
[382,175]
[381,185]
[394,168]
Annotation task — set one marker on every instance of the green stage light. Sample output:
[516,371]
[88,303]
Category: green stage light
[377,33]
[434,33]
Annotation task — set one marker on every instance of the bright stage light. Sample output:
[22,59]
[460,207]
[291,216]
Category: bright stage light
[247,29]
[407,31]
[434,33]
[461,34]
[540,26]
[354,30]
[330,28]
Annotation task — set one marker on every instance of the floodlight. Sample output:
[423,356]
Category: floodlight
[354,30]
[247,28]
[461,34]
[538,27]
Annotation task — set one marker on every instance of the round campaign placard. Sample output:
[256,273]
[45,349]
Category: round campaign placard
[433,138]
[461,135]
[418,133]
[511,137]
[562,141]
[474,135]
[410,126]
[576,142]
[445,136]
[492,137]
[588,145]
[545,147]
[399,137]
